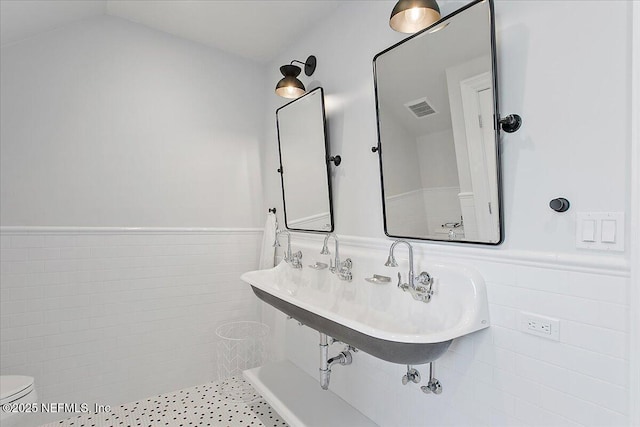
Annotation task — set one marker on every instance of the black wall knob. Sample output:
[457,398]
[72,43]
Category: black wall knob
[510,123]
[560,204]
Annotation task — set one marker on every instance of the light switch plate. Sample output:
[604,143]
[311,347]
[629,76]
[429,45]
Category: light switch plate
[608,234]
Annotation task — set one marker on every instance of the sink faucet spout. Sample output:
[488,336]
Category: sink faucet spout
[287,254]
[419,287]
[325,249]
[290,258]
[341,269]
[391,261]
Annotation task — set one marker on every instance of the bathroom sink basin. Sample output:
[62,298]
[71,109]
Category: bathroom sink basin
[379,319]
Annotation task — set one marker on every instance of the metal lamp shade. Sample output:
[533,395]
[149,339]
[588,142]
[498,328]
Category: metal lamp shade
[290,86]
[410,16]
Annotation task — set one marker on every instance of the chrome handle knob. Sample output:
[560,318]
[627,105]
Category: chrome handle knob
[412,375]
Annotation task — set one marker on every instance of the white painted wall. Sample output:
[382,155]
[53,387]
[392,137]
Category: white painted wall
[551,65]
[108,123]
[443,205]
[548,70]
[404,159]
[437,155]
[439,174]
[545,72]
[345,52]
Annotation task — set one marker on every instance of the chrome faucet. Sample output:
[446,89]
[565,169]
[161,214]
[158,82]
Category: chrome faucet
[293,259]
[419,287]
[341,269]
[325,250]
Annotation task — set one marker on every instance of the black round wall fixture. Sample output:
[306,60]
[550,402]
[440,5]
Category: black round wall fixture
[310,65]
[560,204]
[510,123]
[336,160]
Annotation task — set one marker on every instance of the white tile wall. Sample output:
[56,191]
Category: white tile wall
[501,376]
[409,209]
[111,317]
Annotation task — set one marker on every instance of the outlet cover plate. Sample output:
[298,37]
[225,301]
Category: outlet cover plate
[541,326]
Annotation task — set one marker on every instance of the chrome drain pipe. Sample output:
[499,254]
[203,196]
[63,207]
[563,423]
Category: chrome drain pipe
[325,371]
[342,358]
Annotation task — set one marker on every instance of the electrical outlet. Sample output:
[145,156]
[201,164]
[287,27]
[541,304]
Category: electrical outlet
[539,325]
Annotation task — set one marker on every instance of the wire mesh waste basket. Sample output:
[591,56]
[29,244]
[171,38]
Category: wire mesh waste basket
[241,345]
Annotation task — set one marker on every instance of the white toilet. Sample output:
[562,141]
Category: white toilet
[16,390]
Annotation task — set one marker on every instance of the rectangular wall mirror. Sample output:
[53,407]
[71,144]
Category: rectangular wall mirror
[436,101]
[304,169]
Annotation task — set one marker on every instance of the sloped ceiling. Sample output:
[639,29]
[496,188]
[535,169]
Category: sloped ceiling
[254,29]
[21,19]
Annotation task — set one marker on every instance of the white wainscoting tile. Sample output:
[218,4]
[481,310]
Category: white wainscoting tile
[501,376]
[120,314]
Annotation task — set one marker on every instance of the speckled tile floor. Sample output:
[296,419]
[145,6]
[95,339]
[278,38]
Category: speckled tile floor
[231,402]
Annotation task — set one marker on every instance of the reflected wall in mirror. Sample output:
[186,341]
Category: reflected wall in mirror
[437,109]
[304,171]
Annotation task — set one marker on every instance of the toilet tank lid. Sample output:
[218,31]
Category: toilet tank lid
[13,386]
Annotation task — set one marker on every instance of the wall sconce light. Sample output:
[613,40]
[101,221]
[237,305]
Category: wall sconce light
[290,86]
[411,16]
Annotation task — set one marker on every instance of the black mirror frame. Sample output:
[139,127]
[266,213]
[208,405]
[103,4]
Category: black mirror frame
[327,160]
[496,126]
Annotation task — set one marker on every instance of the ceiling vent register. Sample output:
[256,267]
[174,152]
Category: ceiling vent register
[420,108]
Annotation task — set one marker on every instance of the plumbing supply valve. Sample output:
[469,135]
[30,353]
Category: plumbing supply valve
[433,386]
[342,270]
[422,289]
[412,375]
[295,260]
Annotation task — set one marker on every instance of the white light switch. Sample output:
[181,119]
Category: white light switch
[601,231]
[608,231]
[588,230]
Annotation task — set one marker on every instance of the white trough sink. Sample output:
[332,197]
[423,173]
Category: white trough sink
[379,319]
